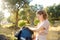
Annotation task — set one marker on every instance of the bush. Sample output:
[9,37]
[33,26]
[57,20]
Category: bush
[51,22]
[36,22]
[21,23]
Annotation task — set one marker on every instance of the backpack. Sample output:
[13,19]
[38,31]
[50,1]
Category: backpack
[24,34]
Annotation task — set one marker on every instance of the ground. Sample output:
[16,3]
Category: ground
[53,34]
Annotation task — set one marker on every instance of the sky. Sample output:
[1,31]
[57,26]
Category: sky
[45,3]
[6,13]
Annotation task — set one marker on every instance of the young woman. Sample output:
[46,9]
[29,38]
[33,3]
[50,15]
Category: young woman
[42,27]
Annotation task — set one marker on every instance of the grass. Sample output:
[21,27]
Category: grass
[52,34]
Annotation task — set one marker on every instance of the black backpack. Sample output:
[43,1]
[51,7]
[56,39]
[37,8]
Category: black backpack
[24,34]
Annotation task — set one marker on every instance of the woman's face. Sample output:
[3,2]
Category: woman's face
[40,17]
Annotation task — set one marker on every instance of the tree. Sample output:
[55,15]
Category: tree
[28,10]
[1,16]
[29,13]
[15,5]
[54,11]
[33,11]
[12,19]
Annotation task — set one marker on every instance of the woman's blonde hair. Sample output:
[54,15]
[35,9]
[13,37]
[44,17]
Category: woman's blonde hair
[44,13]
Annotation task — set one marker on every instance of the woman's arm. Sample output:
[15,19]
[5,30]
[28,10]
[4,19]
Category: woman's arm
[41,29]
[33,29]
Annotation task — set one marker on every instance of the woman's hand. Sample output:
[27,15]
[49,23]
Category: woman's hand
[41,30]
[32,28]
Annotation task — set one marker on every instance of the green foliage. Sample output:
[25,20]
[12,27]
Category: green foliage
[21,23]
[23,15]
[15,6]
[36,22]
[54,11]
[27,14]
[51,21]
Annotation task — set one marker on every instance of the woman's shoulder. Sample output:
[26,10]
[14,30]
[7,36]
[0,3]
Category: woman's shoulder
[46,21]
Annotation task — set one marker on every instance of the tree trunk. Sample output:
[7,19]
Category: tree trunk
[16,23]
[32,20]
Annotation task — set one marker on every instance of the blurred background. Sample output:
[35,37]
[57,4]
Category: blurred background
[15,14]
